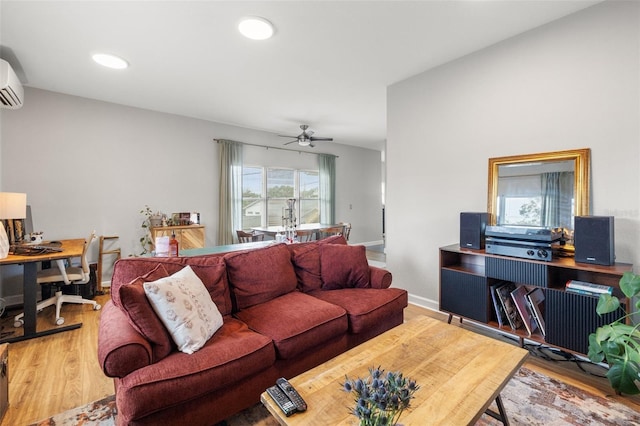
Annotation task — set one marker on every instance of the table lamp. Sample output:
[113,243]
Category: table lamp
[13,205]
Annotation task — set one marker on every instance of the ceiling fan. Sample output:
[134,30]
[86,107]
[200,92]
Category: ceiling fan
[305,138]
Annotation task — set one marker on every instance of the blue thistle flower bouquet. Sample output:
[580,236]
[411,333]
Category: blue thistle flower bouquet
[381,398]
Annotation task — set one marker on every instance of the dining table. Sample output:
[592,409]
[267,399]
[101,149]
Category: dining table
[273,230]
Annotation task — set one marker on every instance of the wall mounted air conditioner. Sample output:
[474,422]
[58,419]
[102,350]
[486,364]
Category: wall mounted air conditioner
[11,91]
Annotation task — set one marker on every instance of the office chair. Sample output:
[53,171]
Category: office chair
[60,276]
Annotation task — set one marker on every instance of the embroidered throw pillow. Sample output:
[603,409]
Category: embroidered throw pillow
[185,308]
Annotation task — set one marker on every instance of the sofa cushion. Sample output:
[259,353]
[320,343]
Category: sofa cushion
[185,308]
[334,239]
[306,262]
[260,275]
[209,268]
[232,354]
[295,322]
[366,307]
[212,271]
[135,305]
[343,266]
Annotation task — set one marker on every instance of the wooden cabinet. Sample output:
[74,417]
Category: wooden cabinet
[466,277]
[188,236]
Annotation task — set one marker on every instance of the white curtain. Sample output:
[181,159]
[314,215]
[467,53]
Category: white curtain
[327,176]
[557,196]
[230,218]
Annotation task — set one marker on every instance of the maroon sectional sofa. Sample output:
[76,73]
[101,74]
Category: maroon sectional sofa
[286,309]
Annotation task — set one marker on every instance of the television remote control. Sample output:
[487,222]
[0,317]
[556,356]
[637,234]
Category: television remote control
[292,394]
[286,405]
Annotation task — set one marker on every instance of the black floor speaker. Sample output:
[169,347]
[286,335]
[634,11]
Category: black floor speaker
[594,240]
[472,227]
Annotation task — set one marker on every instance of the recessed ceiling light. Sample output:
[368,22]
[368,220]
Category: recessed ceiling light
[255,28]
[110,61]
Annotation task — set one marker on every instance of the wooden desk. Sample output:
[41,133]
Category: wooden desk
[70,248]
[459,372]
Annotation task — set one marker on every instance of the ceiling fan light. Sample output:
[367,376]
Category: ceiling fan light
[255,28]
[304,142]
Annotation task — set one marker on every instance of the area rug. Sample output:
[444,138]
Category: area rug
[101,412]
[533,399]
[530,399]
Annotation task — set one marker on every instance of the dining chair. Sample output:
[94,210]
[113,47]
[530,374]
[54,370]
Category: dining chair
[306,235]
[60,276]
[328,232]
[346,230]
[248,237]
[114,252]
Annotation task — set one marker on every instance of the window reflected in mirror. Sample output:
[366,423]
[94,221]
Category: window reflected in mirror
[539,190]
[536,194]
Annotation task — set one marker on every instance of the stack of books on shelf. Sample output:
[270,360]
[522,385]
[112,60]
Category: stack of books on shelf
[506,313]
[589,289]
[519,306]
[535,300]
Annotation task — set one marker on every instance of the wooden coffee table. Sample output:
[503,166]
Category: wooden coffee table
[460,374]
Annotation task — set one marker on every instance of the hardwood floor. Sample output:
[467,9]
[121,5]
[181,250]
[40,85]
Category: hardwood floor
[55,373]
[51,374]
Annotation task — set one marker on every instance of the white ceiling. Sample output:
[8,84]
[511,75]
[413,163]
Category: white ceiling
[328,65]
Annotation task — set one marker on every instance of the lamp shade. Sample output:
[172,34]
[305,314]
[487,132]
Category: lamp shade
[13,205]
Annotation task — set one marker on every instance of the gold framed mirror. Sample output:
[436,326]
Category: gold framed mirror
[544,190]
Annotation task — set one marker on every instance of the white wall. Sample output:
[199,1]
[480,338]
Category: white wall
[87,165]
[573,83]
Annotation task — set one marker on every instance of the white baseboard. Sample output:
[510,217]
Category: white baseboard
[423,302]
[377,264]
[371,243]
[14,300]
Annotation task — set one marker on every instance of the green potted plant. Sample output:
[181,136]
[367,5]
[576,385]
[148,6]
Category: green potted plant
[150,219]
[618,343]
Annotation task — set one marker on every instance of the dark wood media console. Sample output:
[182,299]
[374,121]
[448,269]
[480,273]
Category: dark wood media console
[466,277]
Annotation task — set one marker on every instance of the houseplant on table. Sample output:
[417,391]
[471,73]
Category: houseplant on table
[618,343]
[150,219]
[381,398]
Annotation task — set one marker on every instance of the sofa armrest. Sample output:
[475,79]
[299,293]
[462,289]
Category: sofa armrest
[121,349]
[379,278]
